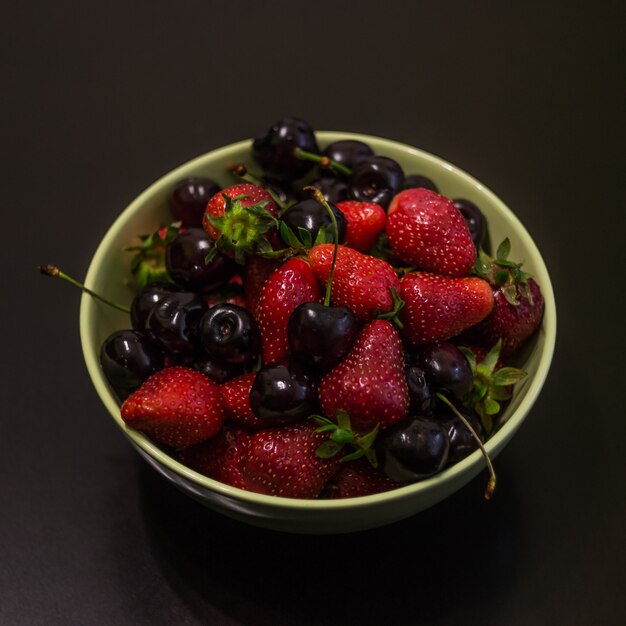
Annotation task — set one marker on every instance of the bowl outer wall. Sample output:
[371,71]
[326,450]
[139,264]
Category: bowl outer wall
[149,210]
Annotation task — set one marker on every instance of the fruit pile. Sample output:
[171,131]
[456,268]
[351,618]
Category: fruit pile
[327,328]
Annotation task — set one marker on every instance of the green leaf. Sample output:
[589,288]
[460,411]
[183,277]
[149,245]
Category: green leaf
[510,294]
[500,393]
[503,250]
[470,356]
[491,406]
[305,236]
[501,277]
[353,456]
[211,255]
[507,376]
[342,436]
[321,419]
[325,428]
[366,441]
[489,362]
[343,419]
[289,237]
[328,449]
[263,245]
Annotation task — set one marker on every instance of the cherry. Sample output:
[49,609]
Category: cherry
[445,368]
[476,223]
[412,449]
[377,180]
[128,358]
[217,372]
[230,334]
[321,336]
[174,322]
[185,261]
[348,152]
[275,150]
[311,216]
[416,181]
[283,393]
[145,299]
[462,441]
[189,199]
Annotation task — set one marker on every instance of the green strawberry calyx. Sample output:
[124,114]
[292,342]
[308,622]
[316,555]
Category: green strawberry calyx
[342,435]
[148,263]
[492,385]
[506,275]
[242,229]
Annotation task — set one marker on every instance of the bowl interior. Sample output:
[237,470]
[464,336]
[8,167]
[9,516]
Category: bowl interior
[109,275]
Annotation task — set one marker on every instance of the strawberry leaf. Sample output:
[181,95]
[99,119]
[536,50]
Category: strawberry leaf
[507,376]
[504,249]
[328,449]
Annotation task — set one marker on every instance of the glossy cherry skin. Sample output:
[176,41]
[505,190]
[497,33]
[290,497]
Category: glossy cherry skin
[462,442]
[189,199]
[185,264]
[333,189]
[377,180]
[412,449]
[445,368]
[174,322]
[349,152]
[321,336]
[128,358]
[476,223]
[420,396]
[311,215]
[145,299]
[415,181]
[283,393]
[230,334]
[274,151]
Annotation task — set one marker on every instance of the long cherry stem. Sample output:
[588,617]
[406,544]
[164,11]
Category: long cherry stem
[323,161]
[319,197]
[53,270]
[491,485]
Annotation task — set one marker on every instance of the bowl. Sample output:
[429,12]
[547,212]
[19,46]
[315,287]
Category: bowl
[109,274]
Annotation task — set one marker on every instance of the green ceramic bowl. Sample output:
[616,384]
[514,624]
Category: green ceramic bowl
[109,275]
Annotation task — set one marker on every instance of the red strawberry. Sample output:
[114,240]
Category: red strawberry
[220,457]
[289,286]
[256,271]
[438,307]
[283,462]
[518,302]
[177,407]
[366,220]
[358,478]
[369,384]
[236,401]
[239,219]
[426,229]
[361,282]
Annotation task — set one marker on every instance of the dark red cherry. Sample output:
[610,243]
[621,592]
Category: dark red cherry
[274,151]
[230,334]
[412,449]
[321,336]
[377,180]
[145,299]
[283,393]
[476,223]
[185,262]
[189,199]
[333,189]
[128,358]
[420,397]
[445,368]
[349,152]
[462,442]
[415,181]
[311,216]
[217,372]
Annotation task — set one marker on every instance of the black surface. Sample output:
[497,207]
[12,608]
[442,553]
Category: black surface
[100,100]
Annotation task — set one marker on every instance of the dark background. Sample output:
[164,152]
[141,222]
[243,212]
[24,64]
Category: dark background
[100,100]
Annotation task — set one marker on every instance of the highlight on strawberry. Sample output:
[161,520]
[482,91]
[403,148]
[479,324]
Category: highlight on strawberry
[328,327]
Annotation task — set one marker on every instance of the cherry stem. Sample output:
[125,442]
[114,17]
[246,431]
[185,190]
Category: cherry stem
[319,197]
[491,485]
[53,270]
[241,171]
[323,161]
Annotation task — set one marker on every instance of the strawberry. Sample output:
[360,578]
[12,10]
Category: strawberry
[239,219]
[518,302]
[439,307]
[283,462]
[236,401]
[356,479]
[361,282]
[177,407]
[220,457]
[369,384]
[366,220]
[289,286]
[256,271]
[425,229]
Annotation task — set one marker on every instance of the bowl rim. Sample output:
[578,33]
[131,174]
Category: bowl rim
[409,491]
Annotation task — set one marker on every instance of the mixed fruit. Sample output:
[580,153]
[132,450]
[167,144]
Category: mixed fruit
[328,328]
